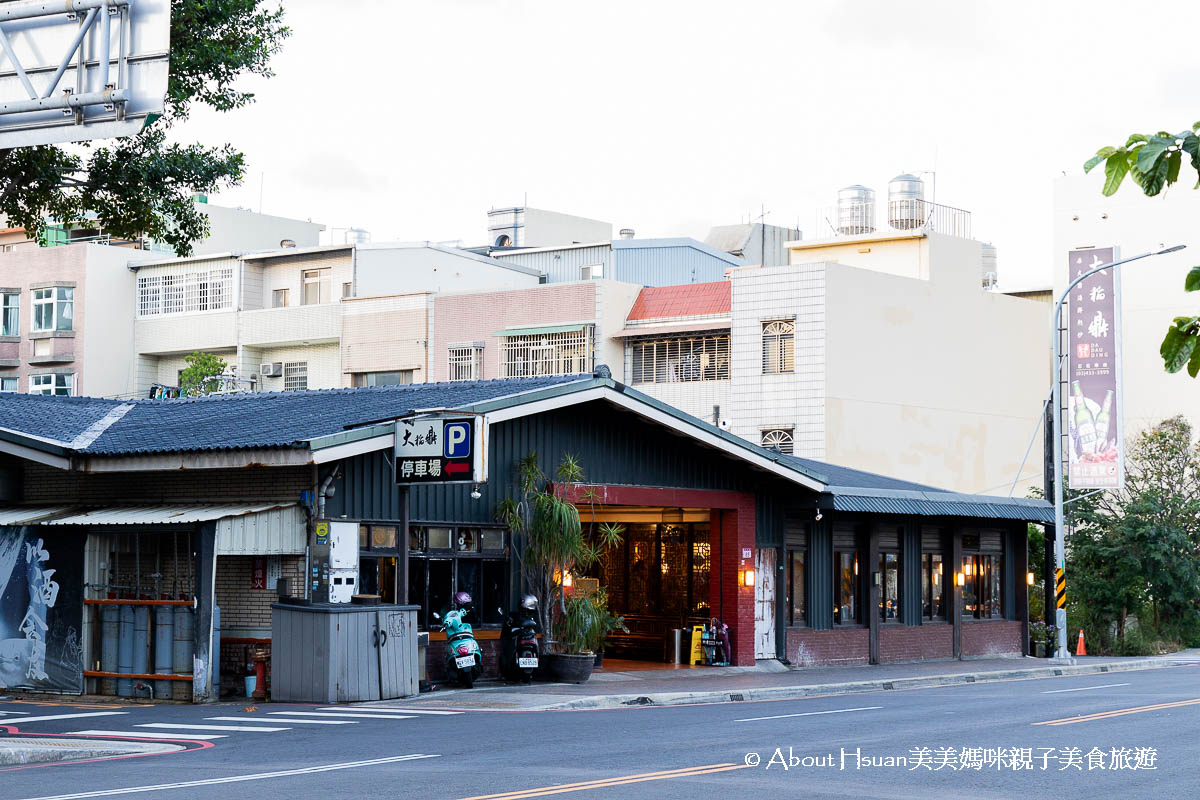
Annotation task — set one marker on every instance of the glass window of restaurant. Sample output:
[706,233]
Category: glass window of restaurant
[889,574]
[983,568]
[445,559]
[797,557]
[847,607]
[933,574]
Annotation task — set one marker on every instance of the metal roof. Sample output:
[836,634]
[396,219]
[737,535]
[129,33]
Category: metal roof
[23,516]
[936,504]
[159,515]
[712,324]
[533,331]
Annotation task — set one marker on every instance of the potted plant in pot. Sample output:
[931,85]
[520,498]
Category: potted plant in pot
[550,542]
[604,622]
[1043,637]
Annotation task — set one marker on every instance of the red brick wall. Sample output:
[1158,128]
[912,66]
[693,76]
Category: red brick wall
[998,638]
[44,484]
[246,611]
[808,648]
[905,643]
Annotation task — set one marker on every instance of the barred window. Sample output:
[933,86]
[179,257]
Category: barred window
[149,295]
[466,363]
[690,358]
[295,375]
[778,347]
[195,290]
[563,353]
[780,438]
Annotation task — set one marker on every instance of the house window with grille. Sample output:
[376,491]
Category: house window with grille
[703,357]
[149,295]
[778,439]
[561,353]
[295,376]
[466,363]
[175,293]
[778,347]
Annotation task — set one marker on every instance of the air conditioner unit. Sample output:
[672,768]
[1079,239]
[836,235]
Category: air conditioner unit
[274,370]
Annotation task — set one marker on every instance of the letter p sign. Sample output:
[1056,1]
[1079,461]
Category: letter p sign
[456,439]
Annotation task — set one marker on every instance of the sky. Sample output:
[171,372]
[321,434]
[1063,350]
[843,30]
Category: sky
[412,119]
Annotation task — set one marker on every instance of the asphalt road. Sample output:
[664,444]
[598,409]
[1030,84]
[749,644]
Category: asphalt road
[1020,733]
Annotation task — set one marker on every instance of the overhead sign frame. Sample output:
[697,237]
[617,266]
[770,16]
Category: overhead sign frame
[440,448]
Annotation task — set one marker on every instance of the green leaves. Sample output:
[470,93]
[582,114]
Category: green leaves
[1179,345]
[1192,282]
[1115,170]
[1153,162]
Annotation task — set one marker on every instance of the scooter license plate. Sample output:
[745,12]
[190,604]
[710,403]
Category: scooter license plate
[465,662]
[527,663]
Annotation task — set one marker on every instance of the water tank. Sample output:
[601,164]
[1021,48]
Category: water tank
[906,202]
[357,236]
[627,233]
[856,210]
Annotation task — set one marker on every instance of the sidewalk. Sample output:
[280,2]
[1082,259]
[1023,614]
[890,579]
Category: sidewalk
[769,680]
[16,750]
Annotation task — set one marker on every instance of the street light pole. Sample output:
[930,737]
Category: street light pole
[1056,372]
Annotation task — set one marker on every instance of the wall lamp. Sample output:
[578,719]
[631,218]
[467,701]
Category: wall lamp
[1029,578]
[960,579]
[747,576]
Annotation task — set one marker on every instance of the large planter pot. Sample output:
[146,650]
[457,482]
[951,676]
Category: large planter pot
[569,668]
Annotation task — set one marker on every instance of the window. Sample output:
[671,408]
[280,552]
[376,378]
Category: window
[778,347]
[347,290]
[847,586]
[796,578]
[316,286]
[561,353]
[8,384]
[12,315]
[931,586]
[53,309]
[193,290]
[466,363]
[778,438]
[591,272]
[981,587]
[445,560]
[51,384]
[295,376]
[279,298]
[400,377]
[675,360]
[889,587]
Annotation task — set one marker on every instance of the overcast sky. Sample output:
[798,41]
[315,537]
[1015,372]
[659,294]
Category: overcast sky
[411,119]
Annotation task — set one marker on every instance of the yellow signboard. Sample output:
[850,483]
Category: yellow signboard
[697,656]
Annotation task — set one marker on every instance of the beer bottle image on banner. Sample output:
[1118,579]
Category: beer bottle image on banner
[1104,424]
[1085,425]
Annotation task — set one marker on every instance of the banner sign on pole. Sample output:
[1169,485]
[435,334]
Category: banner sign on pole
[1095,447]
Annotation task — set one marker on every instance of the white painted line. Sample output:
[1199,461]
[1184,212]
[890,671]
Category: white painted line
[327,715]
[14,712]
[260,776]
[391,709]
[290,721]
[1086,688]
[24,720]
[150,734]
[213,727]
[812,713]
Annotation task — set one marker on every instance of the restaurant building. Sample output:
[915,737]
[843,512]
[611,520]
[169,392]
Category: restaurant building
[805,561]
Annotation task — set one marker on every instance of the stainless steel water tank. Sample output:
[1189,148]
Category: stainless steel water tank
[906,202]
[856,210]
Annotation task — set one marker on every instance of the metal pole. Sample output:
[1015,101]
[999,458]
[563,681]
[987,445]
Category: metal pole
[1056,372]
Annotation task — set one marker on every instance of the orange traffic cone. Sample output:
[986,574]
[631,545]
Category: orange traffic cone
[1081,648]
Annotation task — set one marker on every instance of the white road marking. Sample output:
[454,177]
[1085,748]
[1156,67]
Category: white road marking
[1086,688]
[391,709]
[290,721]
[328,715]
[260,776]
[213,727]
[24,720]
[811,713]
[150,734]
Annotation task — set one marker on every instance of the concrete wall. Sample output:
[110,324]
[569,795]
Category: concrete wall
[1151,290]
[386,334]
[614,300]
[240,229]
[548,228]
[905,255]
[398,269]
[286,272]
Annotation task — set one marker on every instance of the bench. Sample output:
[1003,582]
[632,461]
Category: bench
[648,636]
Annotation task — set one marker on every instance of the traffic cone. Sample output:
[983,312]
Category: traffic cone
[1081,648]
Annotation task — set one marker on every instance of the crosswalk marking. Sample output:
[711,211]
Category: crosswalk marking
[257,728]
[150,734]
[290,721]
[391,709]
[327,714]
[25,720]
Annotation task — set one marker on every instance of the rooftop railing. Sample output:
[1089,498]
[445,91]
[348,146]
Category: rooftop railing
[894,216]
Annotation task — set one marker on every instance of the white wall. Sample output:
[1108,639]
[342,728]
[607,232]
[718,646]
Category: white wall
[110,290]
[400,269]
[551,228]
[240,230]
[614,300]
[1152,289]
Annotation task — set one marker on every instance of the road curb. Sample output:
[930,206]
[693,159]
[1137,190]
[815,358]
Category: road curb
[855,687]
[21,751]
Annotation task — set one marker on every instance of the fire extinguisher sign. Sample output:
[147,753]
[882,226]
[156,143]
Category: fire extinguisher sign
[440,449]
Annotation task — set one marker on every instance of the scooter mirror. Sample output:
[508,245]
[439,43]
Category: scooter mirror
[437,615]
[501,610]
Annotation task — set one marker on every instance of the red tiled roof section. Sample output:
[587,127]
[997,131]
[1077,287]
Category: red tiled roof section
[688,300]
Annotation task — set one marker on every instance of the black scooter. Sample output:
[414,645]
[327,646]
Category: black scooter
[520,649]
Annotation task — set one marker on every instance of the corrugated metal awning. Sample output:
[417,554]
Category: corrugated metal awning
[940,504]
[24,516]
[538,330]
[159,515]
[675,327]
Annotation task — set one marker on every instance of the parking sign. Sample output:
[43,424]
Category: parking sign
[439,449]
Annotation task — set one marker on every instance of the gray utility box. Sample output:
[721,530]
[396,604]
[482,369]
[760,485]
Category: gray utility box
[338,652]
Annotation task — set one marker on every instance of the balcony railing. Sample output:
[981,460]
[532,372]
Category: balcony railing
[895,216]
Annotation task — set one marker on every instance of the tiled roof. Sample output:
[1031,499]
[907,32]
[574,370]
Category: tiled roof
[687,300]
[238,421]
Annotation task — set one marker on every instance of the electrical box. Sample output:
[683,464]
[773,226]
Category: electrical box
[318,573]
[343,545]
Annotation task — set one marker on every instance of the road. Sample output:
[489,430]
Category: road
[815,747]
